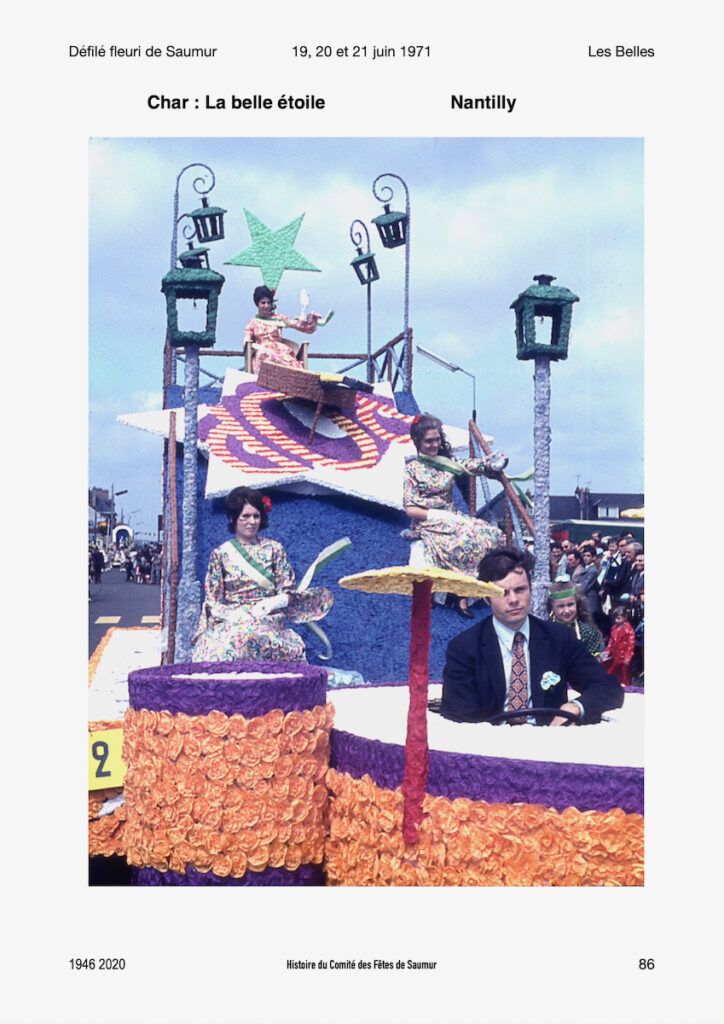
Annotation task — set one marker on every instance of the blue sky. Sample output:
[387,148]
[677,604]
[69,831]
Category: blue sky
[487,214]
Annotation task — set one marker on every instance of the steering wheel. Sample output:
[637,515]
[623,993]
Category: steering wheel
[504,716]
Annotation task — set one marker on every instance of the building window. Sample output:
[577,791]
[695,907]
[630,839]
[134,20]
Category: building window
[608,511]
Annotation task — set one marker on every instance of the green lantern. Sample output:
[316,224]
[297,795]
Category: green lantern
[554,308]
[392,226]
[208,221]
[195,285]
[365,267]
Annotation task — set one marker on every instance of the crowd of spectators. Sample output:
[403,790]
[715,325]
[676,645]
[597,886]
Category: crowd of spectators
[141,565]
[607,575]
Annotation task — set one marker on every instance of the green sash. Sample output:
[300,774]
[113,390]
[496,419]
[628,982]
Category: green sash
[249,565]
[441,462]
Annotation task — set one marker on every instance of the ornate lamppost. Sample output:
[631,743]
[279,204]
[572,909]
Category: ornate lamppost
[365,268]
[394,229]
[192,284]
[553,304]
[208,221]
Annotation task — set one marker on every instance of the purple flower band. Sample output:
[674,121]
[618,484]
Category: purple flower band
[588,787]
[307,874]
[160,689]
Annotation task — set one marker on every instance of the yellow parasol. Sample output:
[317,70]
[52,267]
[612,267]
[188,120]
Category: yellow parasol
[633,513]
[421,583]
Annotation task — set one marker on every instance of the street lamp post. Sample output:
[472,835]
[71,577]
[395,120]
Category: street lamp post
[547,302]
[454,368]
[194,281]
[365,268]
[207,224]
[394,229]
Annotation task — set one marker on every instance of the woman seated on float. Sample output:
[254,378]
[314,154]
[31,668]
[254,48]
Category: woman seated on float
[567,606]
[264,332]
[250,592]
[450,539]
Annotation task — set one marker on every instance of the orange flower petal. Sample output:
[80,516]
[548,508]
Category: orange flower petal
[217,723]
[258,858]
[293,723]
[237,727]
[256,728]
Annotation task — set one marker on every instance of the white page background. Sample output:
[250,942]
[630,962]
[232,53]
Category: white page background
[514,955]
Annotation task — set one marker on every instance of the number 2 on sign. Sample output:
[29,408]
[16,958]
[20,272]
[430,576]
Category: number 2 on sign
[105,759]
[100,753]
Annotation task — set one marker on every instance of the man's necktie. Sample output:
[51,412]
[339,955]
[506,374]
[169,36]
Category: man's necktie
[518,689]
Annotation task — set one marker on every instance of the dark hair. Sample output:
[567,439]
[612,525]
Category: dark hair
[575,554]
[500,561]
[420,426]
[262,292]
[620,609]
[582,610]
[235,500]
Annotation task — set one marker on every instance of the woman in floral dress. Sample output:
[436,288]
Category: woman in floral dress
[264,332]
[250,592]
[450,539]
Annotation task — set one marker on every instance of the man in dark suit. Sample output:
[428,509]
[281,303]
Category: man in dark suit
[513,660]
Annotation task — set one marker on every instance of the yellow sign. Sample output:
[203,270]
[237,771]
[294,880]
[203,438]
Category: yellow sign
[105,767]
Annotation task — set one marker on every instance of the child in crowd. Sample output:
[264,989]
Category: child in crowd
[620,648]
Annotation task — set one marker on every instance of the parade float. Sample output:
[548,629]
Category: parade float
[337,770]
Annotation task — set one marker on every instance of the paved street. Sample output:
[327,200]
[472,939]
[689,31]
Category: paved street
[114,602]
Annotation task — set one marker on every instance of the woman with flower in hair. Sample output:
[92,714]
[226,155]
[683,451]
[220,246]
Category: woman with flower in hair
[264,332]
[250,593]
[450,539]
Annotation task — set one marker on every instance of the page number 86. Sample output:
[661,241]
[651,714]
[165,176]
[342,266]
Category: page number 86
[647,965]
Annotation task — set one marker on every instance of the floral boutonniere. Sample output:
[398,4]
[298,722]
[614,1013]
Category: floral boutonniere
[549,680]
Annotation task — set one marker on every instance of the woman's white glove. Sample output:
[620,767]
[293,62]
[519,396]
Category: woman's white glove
[496,462]
[440,515]
[269,605]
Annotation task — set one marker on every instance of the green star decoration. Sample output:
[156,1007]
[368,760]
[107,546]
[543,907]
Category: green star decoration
[272,251]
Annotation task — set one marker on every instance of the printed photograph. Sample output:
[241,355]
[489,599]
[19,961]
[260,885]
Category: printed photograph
[366,512]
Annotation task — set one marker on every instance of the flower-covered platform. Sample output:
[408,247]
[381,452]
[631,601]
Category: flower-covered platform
[236,777]
[226,780]
[526,806]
